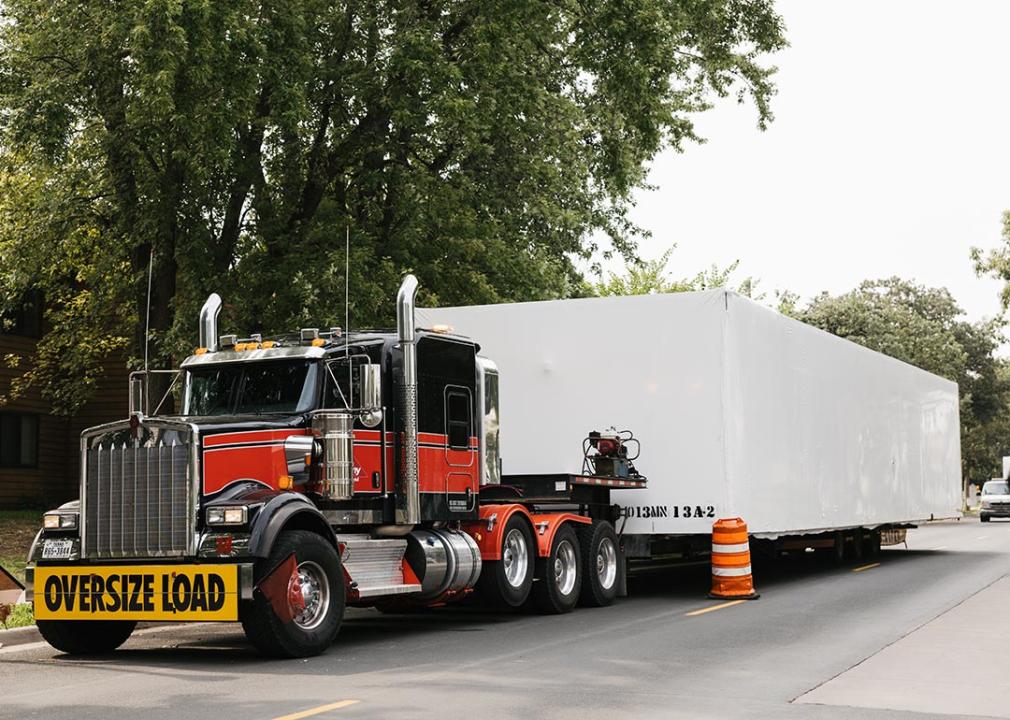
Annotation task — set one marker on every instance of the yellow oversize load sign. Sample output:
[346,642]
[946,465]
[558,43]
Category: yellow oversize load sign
[137,592]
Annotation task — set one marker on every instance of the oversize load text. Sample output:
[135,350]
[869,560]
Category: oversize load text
[156,593]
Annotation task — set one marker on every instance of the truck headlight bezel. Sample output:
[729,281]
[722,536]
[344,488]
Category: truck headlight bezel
[227,515]
[60,520]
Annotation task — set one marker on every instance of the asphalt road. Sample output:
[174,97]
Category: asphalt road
[650,655]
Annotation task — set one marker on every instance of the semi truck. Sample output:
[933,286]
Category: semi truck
[497,453]
[309,472]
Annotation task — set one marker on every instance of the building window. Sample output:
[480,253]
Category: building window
[19,440]
[26,318]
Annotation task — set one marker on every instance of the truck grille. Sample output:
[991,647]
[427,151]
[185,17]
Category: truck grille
[138,494]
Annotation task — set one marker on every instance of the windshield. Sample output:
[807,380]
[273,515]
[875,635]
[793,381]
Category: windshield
[252,388]
[996,488]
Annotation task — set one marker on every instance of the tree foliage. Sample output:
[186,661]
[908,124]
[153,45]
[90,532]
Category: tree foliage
[228,144]
[654,276]
[926,327]
[997,262]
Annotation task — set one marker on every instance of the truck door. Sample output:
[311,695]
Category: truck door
[448,462]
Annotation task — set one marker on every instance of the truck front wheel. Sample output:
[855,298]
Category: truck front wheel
[312,606]
[85,637]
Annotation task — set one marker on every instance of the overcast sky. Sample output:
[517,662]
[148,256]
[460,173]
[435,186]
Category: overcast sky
[889,155]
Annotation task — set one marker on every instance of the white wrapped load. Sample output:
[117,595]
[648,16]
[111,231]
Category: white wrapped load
[740,411]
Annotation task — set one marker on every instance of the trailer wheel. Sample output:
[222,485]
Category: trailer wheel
[600,565]
[839,548]
[312,628]
[559,575]
[858,541]
[85,637]
[507,582]
[872,547]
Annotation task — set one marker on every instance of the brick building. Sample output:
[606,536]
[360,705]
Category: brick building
[39,451]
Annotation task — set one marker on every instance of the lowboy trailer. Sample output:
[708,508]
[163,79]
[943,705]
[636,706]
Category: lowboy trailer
[310,472]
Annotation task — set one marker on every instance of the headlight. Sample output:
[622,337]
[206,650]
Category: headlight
[59,521]
[986,503]
[227,515]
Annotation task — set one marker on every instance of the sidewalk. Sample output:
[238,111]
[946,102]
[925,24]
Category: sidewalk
[955,665]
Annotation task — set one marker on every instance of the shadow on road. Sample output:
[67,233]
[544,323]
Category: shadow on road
[368,638]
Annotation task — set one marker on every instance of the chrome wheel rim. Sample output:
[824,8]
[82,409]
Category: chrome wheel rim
[565,567]
[315,587]
[515,558]
[606,563]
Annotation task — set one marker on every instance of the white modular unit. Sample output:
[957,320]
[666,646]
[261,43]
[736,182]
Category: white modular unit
[741,411]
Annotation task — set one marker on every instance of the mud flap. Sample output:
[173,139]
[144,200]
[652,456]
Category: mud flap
[622,571]
[282,589]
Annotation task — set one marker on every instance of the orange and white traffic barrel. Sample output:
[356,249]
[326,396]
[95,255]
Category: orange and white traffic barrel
[731,571]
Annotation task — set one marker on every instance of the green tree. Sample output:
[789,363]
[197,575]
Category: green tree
[926,327]
[228,144]
[654,276]
[996,263]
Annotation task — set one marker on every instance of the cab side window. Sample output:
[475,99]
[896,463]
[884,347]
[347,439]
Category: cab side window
[458,418]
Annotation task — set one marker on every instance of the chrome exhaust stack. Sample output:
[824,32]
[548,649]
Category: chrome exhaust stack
[408,497]
[208,322]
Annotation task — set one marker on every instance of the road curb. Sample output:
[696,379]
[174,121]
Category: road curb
[19,636]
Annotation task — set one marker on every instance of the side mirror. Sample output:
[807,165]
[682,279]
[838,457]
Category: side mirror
[369,392]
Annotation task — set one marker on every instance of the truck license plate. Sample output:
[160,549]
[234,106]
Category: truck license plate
[57,549]
[137,592]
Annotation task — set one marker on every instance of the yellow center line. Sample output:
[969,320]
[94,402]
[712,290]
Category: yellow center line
[317,710]
[866,567]
[720,606]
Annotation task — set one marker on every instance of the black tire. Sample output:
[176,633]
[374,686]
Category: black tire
[984,518]
[85,637]
[507,582]
[824,554]
[317,559]
[857,544]
[559,575]
[872,544]
[839,553]
[594,541]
